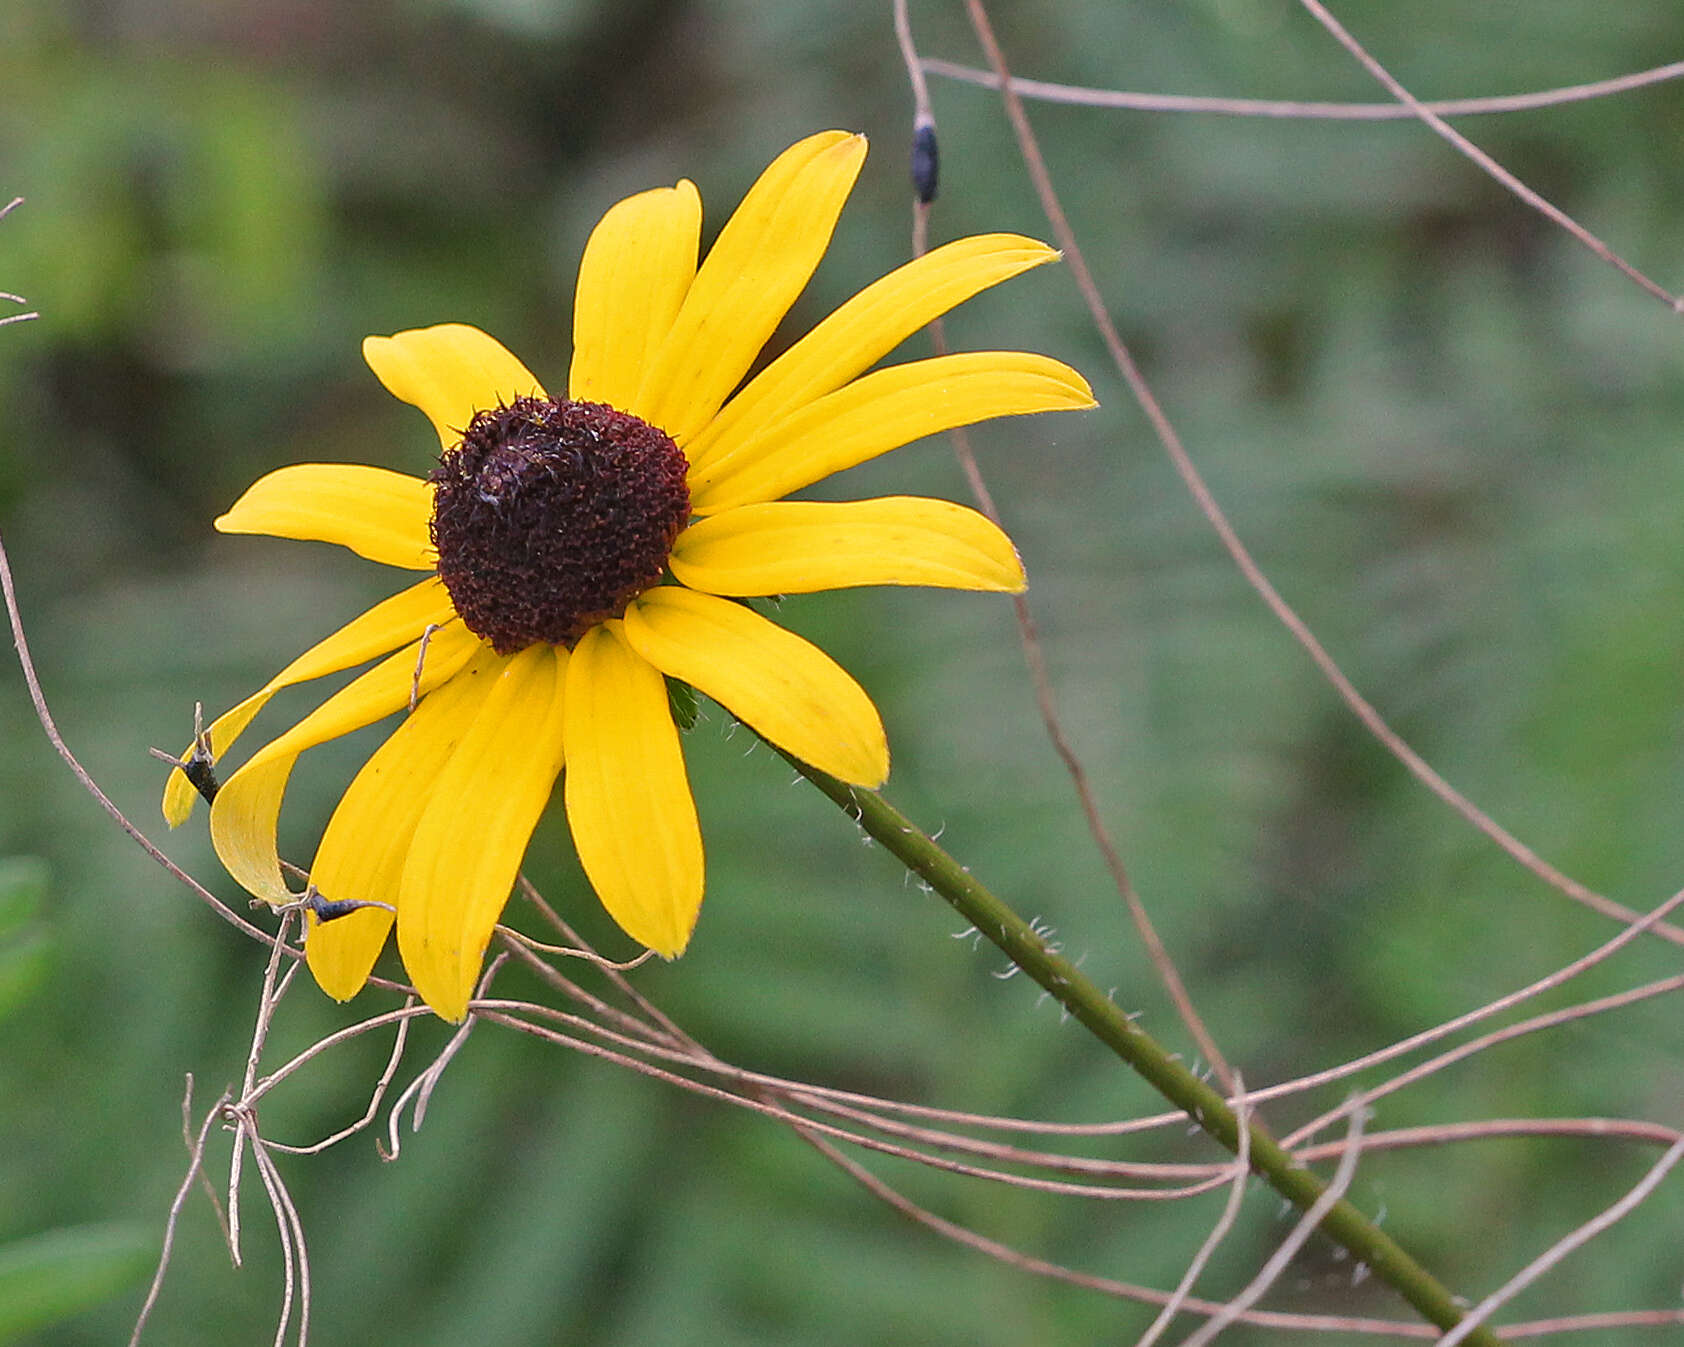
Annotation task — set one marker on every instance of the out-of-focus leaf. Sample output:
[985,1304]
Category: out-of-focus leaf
[26,951]
[23,887]
[24,964]
[49,1277]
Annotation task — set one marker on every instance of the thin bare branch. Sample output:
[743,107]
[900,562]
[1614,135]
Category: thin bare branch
[1537,1024]
[1549,982]
[409,1011]
[1045,91]
[194,1165]
[615,977]
[1218,1232]
[1214,515]
[1305,1227]
[574,951]
[1040,1267]
[419,1092]
[512,1014]
[267,1000]
[205,1185]
[295,1256]
[42,714]
[1029,637]
[379,1093]
[1628,1130]
[1561,1248]
[1469,150]
[7,296]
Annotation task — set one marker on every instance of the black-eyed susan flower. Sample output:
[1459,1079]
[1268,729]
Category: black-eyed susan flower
[579,548]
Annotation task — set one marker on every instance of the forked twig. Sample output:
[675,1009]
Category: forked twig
[1145,1295]
[378,1095]
[243,1111]
[1490,166]
[295,1256]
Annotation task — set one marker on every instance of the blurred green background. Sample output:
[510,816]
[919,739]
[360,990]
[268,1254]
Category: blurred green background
[1450,435]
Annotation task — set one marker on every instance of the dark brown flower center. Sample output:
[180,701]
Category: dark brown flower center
[553,515]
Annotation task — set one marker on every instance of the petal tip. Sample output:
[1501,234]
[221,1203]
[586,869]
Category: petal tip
[669,951]
[1081,392]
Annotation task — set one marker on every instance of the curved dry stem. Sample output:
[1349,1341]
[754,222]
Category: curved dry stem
[419,1093]
[295,1255]
[616,977]
[1496,1129]
[513,1014]
[38,699]
[409,1012]
[383,1084]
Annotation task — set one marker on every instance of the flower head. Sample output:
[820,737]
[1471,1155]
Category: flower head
[580,550]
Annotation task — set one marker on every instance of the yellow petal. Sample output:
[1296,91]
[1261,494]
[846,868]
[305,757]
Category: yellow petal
[628,798]
[796,547]
[378,514]
[247,808]
[450,372]
[365,845]
[881,411]
[470,838]
[390,623]
[866,329]
[633,277]
[789,690]
[761,261]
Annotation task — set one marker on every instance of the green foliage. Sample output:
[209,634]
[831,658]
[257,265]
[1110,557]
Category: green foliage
[50,1277]
[26,947]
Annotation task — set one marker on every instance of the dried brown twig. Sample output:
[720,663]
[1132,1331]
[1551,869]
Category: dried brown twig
[1239,554]
[1035,655]
[1075,95]
[1484,161]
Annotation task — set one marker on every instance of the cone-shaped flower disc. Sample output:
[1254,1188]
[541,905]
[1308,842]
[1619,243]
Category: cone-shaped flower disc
[584,546]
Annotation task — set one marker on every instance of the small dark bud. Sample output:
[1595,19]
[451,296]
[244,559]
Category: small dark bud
[198,767]
[326,909]
[926,163]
